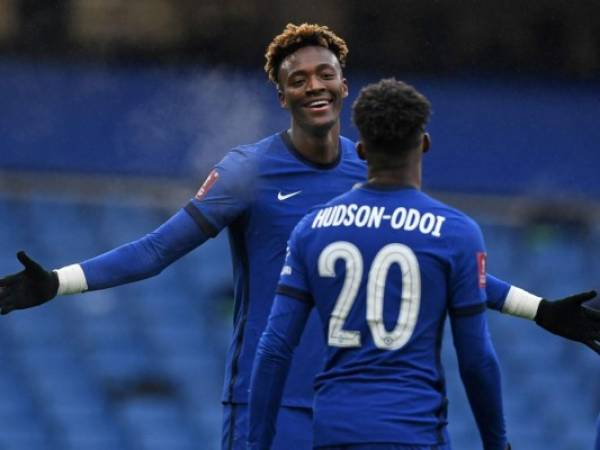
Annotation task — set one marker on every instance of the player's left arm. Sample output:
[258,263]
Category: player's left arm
[271,366]
[566,317]
[480,373]
[478,364]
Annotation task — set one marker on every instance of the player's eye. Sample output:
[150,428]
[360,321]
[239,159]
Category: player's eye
[297,82]
[328,75]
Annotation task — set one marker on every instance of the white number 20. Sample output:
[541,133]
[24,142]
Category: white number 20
[411,293]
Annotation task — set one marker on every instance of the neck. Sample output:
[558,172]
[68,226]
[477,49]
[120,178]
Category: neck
[321,148]
[397,173]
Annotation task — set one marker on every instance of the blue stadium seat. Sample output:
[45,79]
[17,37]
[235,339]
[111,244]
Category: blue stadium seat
[156,424]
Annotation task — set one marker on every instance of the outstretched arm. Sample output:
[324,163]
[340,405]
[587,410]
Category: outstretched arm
[134,261]
[31,287]
[567,317]
[221,199]
[145,257]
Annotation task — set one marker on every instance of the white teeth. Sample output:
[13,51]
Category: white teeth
[318,103]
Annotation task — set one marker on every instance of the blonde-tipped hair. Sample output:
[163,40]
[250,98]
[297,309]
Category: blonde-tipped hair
[294,37]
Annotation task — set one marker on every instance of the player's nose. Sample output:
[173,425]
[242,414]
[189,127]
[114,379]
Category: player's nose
[314,83]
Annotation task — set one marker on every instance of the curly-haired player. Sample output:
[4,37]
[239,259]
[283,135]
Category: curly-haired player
[259,192]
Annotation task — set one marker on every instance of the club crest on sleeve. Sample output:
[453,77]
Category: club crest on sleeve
[208,183]
[481,269]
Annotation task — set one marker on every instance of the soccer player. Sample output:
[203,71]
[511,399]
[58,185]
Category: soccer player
[382,265]
[259,192]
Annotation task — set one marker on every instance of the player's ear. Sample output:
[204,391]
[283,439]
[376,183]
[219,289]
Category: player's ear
[344,88]
[426,143]
[360,150]
[281,98]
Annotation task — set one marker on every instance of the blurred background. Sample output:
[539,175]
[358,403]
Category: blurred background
[112,112]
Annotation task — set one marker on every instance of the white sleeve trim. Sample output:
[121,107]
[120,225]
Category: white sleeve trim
[521,303]
[71,280]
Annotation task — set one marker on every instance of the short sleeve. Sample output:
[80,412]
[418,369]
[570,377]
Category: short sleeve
[468,270]
[293,280]
[225,194]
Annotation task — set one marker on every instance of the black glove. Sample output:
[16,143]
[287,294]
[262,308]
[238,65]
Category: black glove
[30,287]
[570,319]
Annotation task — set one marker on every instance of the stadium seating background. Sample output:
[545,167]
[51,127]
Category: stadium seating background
[177,121]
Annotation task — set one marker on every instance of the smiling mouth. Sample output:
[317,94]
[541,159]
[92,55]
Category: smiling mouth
[318,104]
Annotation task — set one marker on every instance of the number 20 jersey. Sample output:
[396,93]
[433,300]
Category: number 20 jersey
[383,268]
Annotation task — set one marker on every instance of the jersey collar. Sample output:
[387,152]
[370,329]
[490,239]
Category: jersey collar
[387,187]
[290,146]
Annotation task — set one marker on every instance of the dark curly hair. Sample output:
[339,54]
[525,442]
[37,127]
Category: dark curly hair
[391,113]
[294,37]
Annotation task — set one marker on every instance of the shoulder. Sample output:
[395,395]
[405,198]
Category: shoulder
[348,148]
[350,162]
[458,225]
[313,212]
[304,226]
[250,152]
[245,160]
[451,212]
[347,143]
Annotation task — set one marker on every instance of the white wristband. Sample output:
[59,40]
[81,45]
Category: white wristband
[71,280]
[521,303]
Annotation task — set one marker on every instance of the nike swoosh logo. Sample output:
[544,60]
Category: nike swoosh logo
[281,196]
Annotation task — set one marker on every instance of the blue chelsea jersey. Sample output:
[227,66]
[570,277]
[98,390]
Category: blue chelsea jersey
[383,268]
[260,192]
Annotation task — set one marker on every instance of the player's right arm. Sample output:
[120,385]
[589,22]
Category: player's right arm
[478,364]
[289,313]
[271,366]
[222,198]
[134,261]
